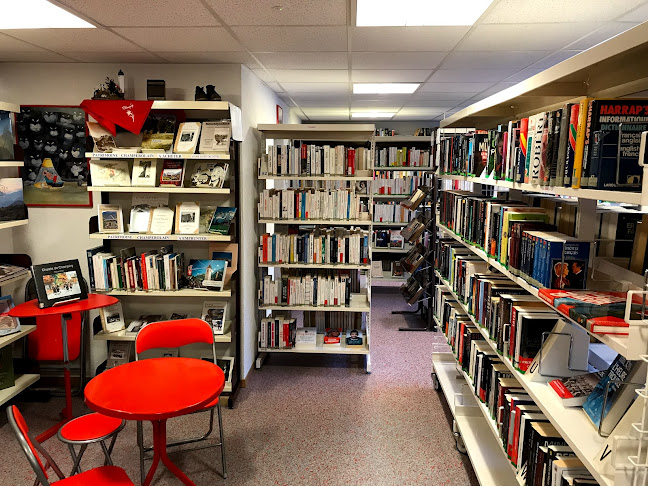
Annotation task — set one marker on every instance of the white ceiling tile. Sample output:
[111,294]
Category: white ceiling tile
[263,75]
[389,75]
[181,39]
[404,116]
[10,44]
[444,97]
[161,13]
[419,111]
[455,87]
[329,118]
[325,88]
[33,56]
[326,111]
[294,12]
[438,106]
[303,60]
[272,39]
[525,73]
[554,58]
[310,75]
[500,37]
[405,38]
[387,105]
[117,57]
[396,60]
[493,60]
[468,75]
[308,103]
[639,14]
[322,98]
[225,57]
[71,40]
[601,34]
[526,11]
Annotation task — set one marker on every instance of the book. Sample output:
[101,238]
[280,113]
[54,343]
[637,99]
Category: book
[529,331]
[119,352]
[187,139]
[7,375]
[157,132]
[110,173]
[172,173]
[206,274]
[215,137]
[58,283]
[136,325]
[354,338]
[12,205]
[161,221]
[9,272]
[562,145]
[140,218]
[227,252]
[8,324]
[574,390]
[144,172]
[580,143]
[332,336]
[112,318]
[111,219]
[226,363]
[103,139]
[572,136]
[7,136]
[210,175]
[187,218]
[213,312]
[306,337]
[222,220]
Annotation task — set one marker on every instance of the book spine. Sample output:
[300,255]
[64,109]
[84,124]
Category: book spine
[580,144]
[562,145]
[571,145]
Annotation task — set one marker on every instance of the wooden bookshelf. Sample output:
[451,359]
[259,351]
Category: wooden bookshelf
[166,190]
[145,237]
[11,163]
[22,382]
[13,224]
[321,222]
[140,155]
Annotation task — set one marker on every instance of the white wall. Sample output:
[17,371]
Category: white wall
[258,105]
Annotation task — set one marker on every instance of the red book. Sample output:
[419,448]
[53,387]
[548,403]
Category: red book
[351,162]
[332,336]
[144,273]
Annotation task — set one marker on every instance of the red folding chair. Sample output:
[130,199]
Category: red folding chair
[175,334]
[100,476]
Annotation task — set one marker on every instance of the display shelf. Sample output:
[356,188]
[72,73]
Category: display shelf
[404,168]
[18,278]
[359,303]
[401,139]
[606,70]
[4,106]
[124,336]
[314,178]
[135,236]
[621,344]
[347,132]
[10,338]
[389,250]
[22,382]
[190,105]
[390,196]
[169,190]
[612,196]
[327,222]
[319,348]
[208,294]
[336,266]
[389,223]
[11,163]
[486,454]
[139,155]
[13,224]
[572,422]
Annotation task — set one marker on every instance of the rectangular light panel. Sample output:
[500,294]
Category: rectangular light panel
[38,14]
[384,88]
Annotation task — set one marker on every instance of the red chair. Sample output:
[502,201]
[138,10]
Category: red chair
[101,476]
[175,334]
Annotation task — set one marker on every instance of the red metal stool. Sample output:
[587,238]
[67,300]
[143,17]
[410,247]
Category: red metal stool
[89,429]
[100,476]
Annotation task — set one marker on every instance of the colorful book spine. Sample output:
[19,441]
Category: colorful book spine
[520,156]
[571,145]
[580,143]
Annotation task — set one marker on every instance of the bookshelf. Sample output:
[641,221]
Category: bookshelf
[9,164]
[193,246]
[349,135]
[608,70]
[23,381]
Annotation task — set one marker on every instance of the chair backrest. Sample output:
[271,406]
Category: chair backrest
[21,431]
[174,334]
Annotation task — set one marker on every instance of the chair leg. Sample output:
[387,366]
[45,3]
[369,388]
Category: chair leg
[140,443]
[108,461]
[76,467]
[48,458]
[112,443]
[222,440]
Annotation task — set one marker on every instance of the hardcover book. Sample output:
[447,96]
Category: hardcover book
[571,144]
[354,338]
[8,324]
[222,220]
[332,336]
[157,132]
[58,283]
[112,318]
[110,218]
[12,205]
[110,173]
[103,139]
[213,312]
[215,137]
[172,173]
[575,390]
[187,139]
[206,274]
[209,175]
[144,171]
[6,136]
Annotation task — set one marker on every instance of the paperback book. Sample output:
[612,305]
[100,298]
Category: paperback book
[206,274]
[8,324]
[222,220]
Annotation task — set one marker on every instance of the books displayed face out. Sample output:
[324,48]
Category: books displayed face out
[215,137]
[111,219]
[222,220]
[112,318]
[58,283]
[12,205]
[206,274]
[354,338]
[172,173]
[7,136]
[157,132]
[332,337]
[110,173]
[575,390]
[144,172]
[187,139]
[213,312]
[187,218]
[8,324]
[103,139]
[210,175]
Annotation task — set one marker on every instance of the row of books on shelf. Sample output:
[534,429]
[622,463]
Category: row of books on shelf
[519,237]
[282,333]
[332,246]
[187,219]
[10,272]
[113,320]
[322,289]
[311,204]
[391,212]
[592,144]
[402,157]
[390,183]
[159,136]
[533,445]
[144,173]
[388,239]
[390,132]
[162,269]
[380,268]
[302,159]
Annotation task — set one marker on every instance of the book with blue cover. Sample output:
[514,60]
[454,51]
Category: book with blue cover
[222,220]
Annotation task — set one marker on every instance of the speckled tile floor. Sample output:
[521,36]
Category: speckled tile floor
[315,420]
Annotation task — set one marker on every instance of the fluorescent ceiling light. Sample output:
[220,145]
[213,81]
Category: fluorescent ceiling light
[382,13]
[38,14]
[371,88]
[372,114]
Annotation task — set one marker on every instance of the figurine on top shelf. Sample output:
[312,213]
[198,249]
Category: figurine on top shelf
[109,90]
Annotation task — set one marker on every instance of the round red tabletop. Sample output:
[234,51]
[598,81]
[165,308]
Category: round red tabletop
[31,309]
[155,389]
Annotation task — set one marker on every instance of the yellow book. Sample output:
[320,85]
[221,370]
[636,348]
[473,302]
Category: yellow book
[580,143]
[517,214]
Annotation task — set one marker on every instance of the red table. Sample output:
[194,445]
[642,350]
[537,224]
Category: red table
[156,389]
[31,309]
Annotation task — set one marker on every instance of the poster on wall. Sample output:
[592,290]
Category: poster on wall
[53,141]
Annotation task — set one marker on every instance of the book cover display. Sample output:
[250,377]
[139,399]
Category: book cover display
[12,206]
[222,220]
[213,312]
[158,131]
[58,283]
[206,274]
[8,324]
[6,136]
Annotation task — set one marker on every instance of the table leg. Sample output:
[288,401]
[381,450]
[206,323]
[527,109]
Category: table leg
[159,452]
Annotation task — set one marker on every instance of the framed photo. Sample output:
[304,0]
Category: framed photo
[144,172]
[227,252]
[58,283]
[214,313]
[53,139]
[111,219]
[279,114]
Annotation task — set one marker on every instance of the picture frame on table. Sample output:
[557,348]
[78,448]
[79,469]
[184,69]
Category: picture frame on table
[58,283]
